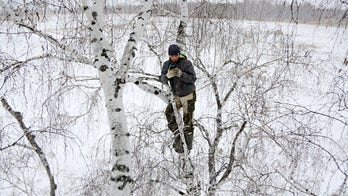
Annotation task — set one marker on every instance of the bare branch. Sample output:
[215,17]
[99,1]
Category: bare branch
[232,155]
[31,138]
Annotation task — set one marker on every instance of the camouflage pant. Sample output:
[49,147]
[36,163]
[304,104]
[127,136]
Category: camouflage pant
[188,105]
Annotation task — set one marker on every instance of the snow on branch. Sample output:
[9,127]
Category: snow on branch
[143,83]
[18,64]
[66,49]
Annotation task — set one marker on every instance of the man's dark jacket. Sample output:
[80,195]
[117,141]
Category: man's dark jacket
[184,85]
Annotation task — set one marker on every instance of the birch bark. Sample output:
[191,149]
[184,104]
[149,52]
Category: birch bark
[113,83]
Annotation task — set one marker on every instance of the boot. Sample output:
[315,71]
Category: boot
[188,140]
[177,144]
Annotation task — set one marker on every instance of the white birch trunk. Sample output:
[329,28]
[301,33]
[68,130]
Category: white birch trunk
[113,83]
[121,161]
[180,39]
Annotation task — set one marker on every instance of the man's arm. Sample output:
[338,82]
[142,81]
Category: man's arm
[188,75]
[164,71]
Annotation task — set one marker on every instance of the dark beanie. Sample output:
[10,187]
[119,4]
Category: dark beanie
[173,49]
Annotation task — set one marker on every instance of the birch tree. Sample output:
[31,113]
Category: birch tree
[112,77]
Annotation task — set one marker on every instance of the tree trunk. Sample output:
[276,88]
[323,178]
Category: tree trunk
[113,82]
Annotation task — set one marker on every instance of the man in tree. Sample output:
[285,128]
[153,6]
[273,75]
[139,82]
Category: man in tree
[178,70]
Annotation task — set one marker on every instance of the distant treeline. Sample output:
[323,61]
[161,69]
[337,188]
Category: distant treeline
[263,10]
[254,10]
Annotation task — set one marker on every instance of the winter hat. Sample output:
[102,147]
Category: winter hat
[173,49]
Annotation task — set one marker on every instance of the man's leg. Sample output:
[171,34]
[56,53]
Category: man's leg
[189,108]
[171,118]
[173,126]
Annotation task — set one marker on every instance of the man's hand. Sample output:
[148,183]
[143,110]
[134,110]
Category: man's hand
[174,72]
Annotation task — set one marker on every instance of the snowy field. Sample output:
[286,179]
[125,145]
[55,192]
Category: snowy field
[63,105]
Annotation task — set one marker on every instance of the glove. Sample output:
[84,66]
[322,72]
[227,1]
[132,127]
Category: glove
[174,72]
